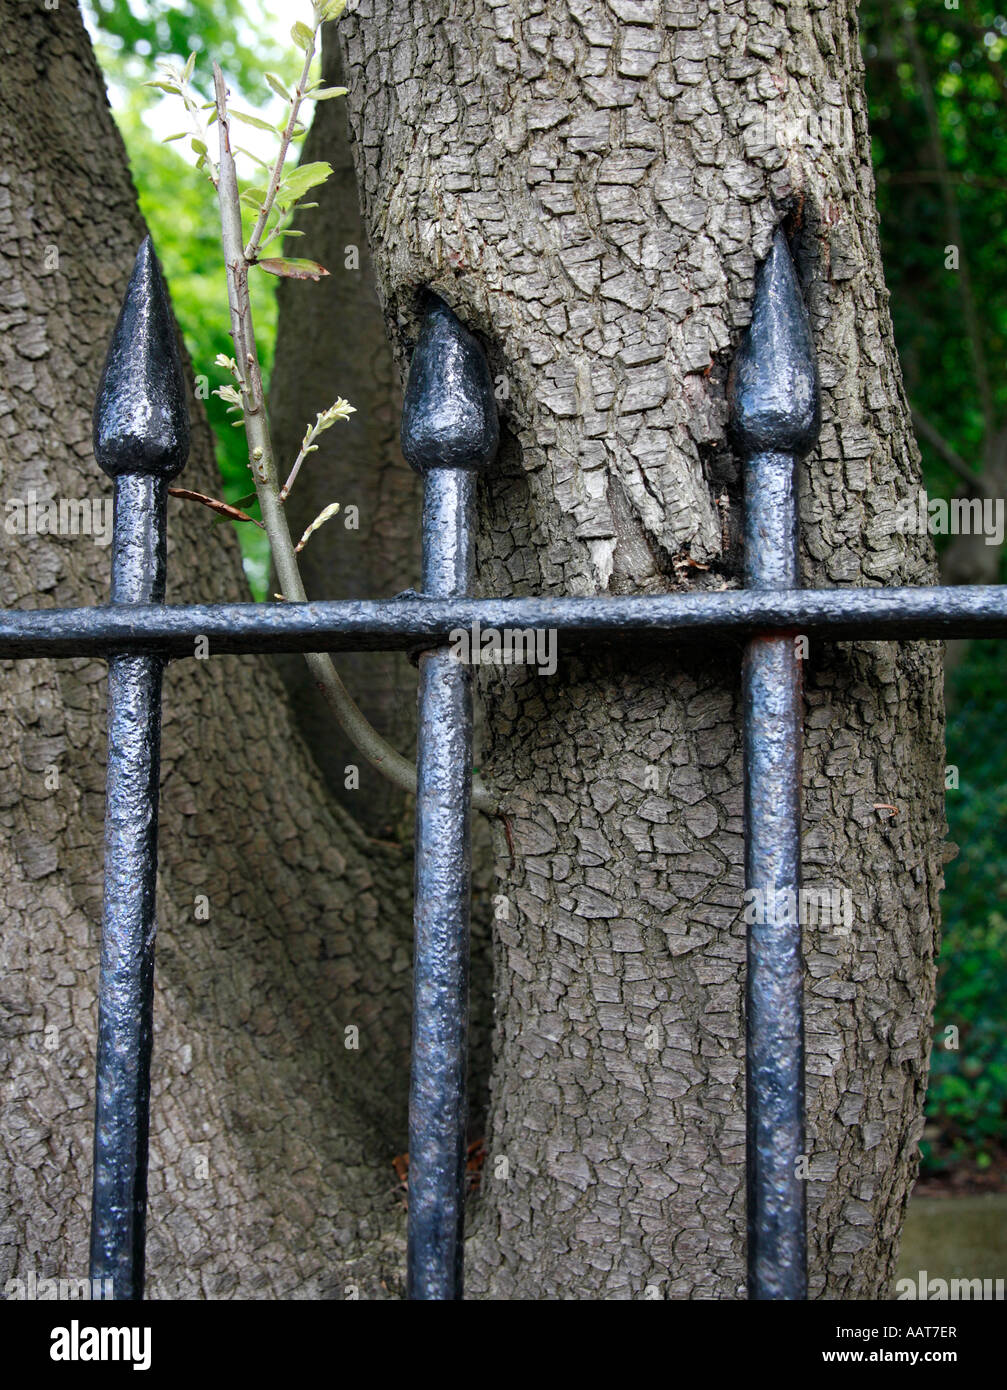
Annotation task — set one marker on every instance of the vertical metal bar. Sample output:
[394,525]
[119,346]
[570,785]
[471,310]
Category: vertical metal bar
[449,429]
[775,418]
[771,684]
[437,1103]
[141,438]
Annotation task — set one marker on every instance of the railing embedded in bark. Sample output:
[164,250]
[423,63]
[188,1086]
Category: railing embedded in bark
[450,434]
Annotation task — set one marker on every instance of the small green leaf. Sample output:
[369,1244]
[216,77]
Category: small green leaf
[257,121]
[327,93]
[277,86]
[198,147]
[300,180]
[293,269]
[245,501]
[302,36]
[182,135]
[190,64]
[240,149]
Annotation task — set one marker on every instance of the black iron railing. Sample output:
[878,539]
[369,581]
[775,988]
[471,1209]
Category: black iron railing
[449,433]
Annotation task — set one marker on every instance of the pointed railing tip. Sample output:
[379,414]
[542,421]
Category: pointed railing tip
[449,415]
[773,389]
[141,420]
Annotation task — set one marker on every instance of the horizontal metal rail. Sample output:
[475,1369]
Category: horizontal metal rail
[399,624]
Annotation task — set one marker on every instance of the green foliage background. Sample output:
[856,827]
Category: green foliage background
[178,203]
[937,84]
[967,1099]
[961,58]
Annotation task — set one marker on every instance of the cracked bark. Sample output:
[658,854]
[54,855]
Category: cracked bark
[590,190]
[270,1140]
[589,186]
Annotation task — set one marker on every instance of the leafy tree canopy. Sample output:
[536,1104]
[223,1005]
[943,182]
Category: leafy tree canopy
[246,37]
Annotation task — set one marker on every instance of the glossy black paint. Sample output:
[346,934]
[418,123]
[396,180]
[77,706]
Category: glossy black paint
[774,1018]
[449,415]
[449,430]
[774,400]
[141,433]
[443,889]
[141,424]
[773,385]
[372,625]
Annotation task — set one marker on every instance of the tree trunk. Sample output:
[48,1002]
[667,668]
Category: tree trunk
[590,187]
[590,191]
[271,1135]
[332,342]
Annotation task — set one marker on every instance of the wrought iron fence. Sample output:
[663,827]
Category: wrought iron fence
[450,434]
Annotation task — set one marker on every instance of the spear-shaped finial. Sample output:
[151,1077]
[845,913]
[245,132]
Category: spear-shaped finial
[141,421]
[449,416]
[773,388]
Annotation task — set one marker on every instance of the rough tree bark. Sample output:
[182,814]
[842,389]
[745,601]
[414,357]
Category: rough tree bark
[590,186]
[271,1139]
[331,340]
